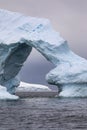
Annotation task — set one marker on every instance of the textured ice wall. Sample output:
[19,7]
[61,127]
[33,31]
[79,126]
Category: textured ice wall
[19,33]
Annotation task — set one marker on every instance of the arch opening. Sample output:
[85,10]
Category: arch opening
[35,69]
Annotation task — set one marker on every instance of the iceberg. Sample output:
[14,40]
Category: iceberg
[26,87]
[19,34]
[26,90]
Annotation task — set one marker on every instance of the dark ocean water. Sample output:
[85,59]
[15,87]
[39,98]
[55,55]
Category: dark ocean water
[44,114]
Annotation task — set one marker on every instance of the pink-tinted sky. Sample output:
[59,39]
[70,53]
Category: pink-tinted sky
[69,17]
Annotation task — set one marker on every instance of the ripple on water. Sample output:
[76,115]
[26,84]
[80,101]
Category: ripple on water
[44,114]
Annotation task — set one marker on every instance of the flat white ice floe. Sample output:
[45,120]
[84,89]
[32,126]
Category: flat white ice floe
[26,87]
[19,33]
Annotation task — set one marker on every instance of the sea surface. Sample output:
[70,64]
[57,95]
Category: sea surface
[44,114]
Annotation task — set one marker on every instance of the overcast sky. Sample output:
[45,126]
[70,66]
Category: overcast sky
[69,17]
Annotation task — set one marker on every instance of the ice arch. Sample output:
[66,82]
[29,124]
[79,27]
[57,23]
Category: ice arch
[19,33]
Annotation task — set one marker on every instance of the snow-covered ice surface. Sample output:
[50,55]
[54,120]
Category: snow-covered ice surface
[4,95]
[26,87]
[19,33]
